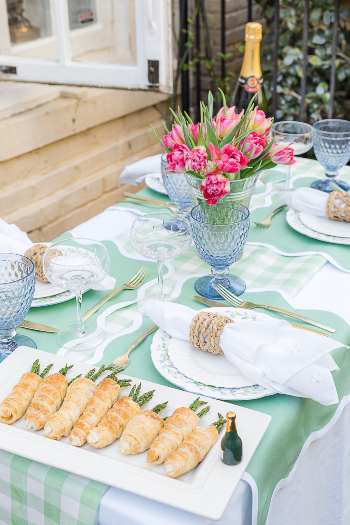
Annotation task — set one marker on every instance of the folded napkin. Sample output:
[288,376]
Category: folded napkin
[334,205]
[268,352]
[136,172]
[14,240]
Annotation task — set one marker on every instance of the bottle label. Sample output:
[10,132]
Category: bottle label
[251,84]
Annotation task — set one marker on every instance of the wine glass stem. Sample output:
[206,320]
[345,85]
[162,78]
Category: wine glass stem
[160,267]
[80,321]
[289,184]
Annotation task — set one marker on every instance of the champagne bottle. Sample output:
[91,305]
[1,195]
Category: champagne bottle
[231,443]
[250,79]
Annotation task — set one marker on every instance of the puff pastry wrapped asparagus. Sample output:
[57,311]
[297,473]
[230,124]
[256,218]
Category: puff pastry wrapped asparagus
[193,449]
[79,393]
[142,430]
[105,395]
[114,421]
[16,403]
[47,399]
[175,429]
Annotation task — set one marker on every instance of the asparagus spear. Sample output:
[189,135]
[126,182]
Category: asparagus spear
[158,408]
[90,373]
[63,371]
[197,403]
[36,367]
[204,411]
[219,423]
[46,371]
[142,400]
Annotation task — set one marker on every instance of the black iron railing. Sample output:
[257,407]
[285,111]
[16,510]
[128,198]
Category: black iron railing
[192,79]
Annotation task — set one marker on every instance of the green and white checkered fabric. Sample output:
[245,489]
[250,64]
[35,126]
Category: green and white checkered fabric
[33,494]
[261,267]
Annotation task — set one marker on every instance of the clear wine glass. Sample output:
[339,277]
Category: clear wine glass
[332,150]
[297,135]
[153,240]
[77,265]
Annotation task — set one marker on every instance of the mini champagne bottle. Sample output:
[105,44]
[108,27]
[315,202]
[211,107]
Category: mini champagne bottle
[250,79]
[231,443]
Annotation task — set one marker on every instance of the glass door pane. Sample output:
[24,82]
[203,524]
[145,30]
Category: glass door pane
[104,31]
[82,13]
[28,20]
[31,30]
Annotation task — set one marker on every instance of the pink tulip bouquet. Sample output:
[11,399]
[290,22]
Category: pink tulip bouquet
[222,148]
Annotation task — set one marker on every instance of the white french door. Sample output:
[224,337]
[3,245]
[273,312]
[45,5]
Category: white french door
[111,43]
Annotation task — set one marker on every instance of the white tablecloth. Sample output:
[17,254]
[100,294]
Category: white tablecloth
[316,492]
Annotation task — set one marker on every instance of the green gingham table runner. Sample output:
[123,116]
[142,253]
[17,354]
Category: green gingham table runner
[34,493]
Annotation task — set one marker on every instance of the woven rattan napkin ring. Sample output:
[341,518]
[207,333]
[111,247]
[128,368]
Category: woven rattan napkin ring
[338,206]
[205,331]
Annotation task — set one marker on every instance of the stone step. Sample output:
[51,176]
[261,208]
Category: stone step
[36,187]
[75,203]
[92,208]
[74,111]
[72,150]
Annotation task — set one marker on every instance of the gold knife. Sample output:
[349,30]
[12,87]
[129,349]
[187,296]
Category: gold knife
[38,327]
[211,303]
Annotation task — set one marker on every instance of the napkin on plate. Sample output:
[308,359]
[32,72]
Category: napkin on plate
[306,200]
[14,240]
[136,172]
[268,352]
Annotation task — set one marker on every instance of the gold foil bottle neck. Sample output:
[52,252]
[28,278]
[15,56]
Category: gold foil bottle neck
[230,421]
[253,31]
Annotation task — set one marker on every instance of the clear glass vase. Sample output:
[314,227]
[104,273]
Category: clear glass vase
[241,190]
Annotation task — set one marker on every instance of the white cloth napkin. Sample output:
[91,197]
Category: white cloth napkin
[306,200]
[268,352]
[13,240]
[136,172]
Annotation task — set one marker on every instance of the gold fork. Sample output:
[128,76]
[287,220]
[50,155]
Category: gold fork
[267,222]
[237,302]
[131,284]
[123,360]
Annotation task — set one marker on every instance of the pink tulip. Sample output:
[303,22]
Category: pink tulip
[194,131]
[228,159]
[259,122]
[253,145]
[282,154]
[225,121]
[196,159]
[175,136]
[214,187]
[176,158]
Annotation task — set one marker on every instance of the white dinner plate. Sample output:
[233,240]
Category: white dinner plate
[46,290]
[326,226]
[292,218]
[192,492]
[154,182]
[204,373]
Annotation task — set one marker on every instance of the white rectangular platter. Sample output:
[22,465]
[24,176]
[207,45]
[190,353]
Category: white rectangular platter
[205,491]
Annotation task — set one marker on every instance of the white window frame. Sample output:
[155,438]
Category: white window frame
[153,42]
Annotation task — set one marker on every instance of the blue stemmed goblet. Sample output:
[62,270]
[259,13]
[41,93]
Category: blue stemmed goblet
[17,284]
[332,150]
[219,234]
[180,193]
